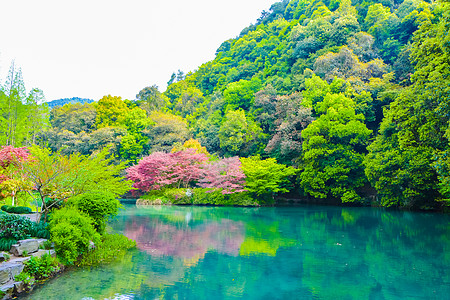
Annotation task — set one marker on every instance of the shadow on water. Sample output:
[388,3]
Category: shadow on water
[304,252]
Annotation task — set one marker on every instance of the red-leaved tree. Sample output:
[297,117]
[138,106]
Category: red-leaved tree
[160,169]
[225,174]
[10,161]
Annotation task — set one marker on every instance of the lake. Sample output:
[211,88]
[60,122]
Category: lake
[305,252]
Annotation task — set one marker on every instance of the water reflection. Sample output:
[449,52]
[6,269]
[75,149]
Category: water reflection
[270,253]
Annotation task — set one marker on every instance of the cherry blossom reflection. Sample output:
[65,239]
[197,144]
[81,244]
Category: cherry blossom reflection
[161,237]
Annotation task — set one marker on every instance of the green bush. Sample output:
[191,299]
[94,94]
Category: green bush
[16,209]
[40,230]
[169,196]
[208,196]
[99,206]
[6,243]
[215,197]
[177,196]
[26,278]
[38,268]
[244,199]
[16,227]
[71,231]
[53,203]
[41,267]
[113,246]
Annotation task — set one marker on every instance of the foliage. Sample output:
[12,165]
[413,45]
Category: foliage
[111,111]
[167,169]
[224,174]
[22,117]
[6,243]
[41,267]
[345,64]
[112,247]
[177,196]
[16,227]
[10,161]
[40,230]
[190,144]
[265,175]
[100,206]
[56,176]
[72,231]
[333,150]
[166,130]
[407,161]
[217,197]
[238,134]
[16,209]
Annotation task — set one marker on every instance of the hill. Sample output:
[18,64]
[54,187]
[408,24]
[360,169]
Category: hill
[61,102]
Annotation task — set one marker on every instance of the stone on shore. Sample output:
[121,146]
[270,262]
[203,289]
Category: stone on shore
[29,245]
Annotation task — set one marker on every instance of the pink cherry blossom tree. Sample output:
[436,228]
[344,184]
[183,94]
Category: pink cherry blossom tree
[160,169]
[225,174]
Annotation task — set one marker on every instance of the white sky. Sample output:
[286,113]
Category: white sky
[92,48]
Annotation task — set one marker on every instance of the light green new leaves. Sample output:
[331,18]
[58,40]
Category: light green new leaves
[265,176]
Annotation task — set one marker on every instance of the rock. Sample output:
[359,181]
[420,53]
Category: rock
[9,270]
[8,289]
[29,245]
[5,275]
[41,252]
[91,245]
[2,257]
[41,242]
[20,286]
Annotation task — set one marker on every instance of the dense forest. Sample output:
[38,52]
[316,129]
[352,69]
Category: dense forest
[352,94]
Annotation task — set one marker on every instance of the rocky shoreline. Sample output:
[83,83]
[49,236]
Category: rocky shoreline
[12,264]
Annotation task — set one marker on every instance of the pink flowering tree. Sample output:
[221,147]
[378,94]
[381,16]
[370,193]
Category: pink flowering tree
[11,160]
[160,170]
[225,174]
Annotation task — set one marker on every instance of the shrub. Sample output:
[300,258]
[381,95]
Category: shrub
[16,209]
[168,196]
[208,196]
[6,243]
[26,278]
[38,268]
[41,267]
[16,227]
[40,230]
[72,230]
[177,196]
[113,246]
[216,197]
[99,206]
[53,203]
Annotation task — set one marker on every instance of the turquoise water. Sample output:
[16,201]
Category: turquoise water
[309,252]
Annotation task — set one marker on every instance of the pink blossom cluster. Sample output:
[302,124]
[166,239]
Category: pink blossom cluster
[161,169]
[182,168]
[225,174]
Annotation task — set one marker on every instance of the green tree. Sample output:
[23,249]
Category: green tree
[238,134]
[407,160]
[12,109]
[111,111]
[166,130]
[60,177]
[334,148]
[266,176]
[151,99]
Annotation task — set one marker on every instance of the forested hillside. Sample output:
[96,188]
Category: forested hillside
[61,102]
[354,94]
